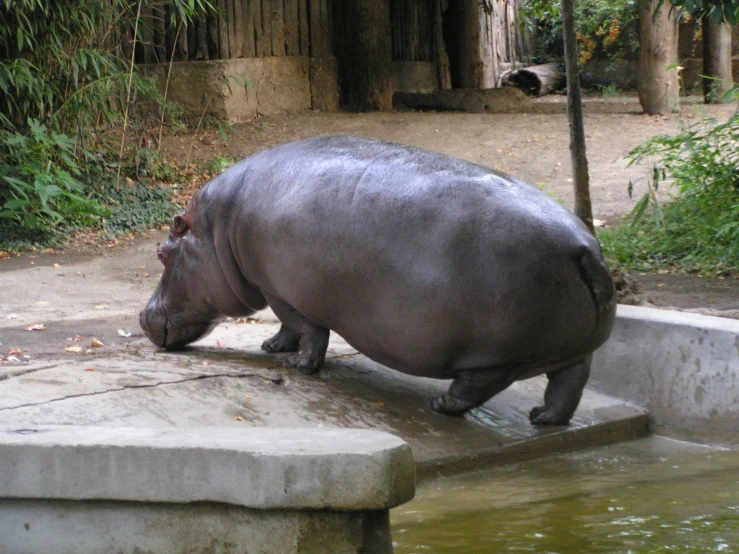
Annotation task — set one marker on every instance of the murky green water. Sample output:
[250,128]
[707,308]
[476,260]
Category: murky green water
[649,496]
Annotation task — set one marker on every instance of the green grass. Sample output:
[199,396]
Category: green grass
[699,230]
[700,234]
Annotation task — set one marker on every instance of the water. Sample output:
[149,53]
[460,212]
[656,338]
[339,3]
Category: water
[650,496]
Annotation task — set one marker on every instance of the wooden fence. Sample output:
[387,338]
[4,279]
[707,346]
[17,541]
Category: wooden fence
[240,29]
[413,30]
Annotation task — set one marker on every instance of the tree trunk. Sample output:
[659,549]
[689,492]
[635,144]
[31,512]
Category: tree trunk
[365,59]
[716,60]
[658,86]
[440,53]
[538,80]
[580,177]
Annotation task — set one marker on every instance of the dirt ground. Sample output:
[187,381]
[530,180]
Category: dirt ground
[533,145]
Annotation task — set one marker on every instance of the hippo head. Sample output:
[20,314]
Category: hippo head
[179,312]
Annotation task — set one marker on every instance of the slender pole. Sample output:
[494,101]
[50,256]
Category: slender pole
[128,94]
[580,178]
[166,85]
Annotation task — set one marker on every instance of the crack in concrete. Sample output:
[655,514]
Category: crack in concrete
[276,380]
[23,372]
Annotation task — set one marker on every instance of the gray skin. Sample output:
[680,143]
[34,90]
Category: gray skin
[425,263]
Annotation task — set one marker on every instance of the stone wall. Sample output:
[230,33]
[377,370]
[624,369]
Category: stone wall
[682,367]
[239,90]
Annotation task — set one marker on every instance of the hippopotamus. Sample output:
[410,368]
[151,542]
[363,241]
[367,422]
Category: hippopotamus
[428,264]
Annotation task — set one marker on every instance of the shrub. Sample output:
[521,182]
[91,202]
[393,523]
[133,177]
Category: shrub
[699,230]
[63,85]
[606,29]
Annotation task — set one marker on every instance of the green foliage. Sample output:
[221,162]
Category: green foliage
[216,165]
[606,29]
[608,91]
[699,230]
[718,10]
[135,207]
[40,175]
[63,86]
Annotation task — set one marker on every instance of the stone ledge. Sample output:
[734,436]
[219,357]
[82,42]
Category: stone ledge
[682,367]
[264,468]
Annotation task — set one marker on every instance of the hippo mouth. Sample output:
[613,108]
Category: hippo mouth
[166,332]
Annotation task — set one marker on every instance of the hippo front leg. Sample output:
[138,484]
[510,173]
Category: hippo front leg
[563,394]
[286,340]
[312,339]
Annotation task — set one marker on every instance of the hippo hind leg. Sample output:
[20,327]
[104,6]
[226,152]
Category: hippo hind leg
[470,389]
[563,394]
[286,340]
[312,339]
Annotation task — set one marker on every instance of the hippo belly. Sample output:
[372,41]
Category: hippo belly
[425,263]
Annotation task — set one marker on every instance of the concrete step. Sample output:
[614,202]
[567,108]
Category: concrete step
[226,380]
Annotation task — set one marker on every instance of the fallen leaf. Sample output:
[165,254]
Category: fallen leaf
[56,265]
[246,396]
[101,307]
[13,350]
[26,357]
[88,351]
[13,359]
[89,369]
[219,343]
[95,343]
[380,404]
[206,363]
[78,338]
[3,254]
[146,274]
[123,333]
[599,222]
[36,327]
[75,349]
[41,303]
[238,418]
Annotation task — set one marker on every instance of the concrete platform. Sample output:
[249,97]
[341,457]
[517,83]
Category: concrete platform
[226,380]
[92,490]
[267,468]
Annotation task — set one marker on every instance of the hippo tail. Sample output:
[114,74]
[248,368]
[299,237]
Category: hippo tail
[595,274]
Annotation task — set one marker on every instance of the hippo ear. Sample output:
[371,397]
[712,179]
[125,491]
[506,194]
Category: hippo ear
[179,226]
